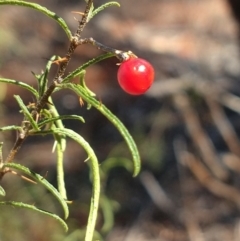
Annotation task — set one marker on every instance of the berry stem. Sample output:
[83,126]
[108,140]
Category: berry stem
[121,55]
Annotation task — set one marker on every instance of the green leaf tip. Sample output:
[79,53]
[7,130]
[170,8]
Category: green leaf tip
[19,83]
[26,113]
[2,191]
[102,7]
[40,179]
[32,207]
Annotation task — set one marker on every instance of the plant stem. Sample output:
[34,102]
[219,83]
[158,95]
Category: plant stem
[17,145]
[84,20]
[99,45]
[121,55]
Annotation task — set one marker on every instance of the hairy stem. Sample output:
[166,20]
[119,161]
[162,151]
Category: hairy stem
[84,19]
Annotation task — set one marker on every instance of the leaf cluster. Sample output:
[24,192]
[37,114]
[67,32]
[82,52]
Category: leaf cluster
[42,118]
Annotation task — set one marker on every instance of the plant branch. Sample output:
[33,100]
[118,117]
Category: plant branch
[22,135]
[63,63]
[121,55]
[84,19]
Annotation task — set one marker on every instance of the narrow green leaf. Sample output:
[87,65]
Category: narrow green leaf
[90,11]
[38,178]
[41,9]
[78,71]
[19,83]
[62,117]
[31,207]
[79,90]
[58,123]
[60,169]
[10,128]
[96,179]
[42,79]
[60,143]
[26,113]
[102,7]
[2,191]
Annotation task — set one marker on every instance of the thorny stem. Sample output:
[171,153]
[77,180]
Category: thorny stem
[84,20]
[57,79]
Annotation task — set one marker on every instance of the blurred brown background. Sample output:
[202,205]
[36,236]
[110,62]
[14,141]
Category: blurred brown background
[187,126]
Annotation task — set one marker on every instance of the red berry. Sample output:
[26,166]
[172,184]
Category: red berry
[135,76]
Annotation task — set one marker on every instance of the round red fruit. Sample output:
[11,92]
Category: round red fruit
[135,76]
